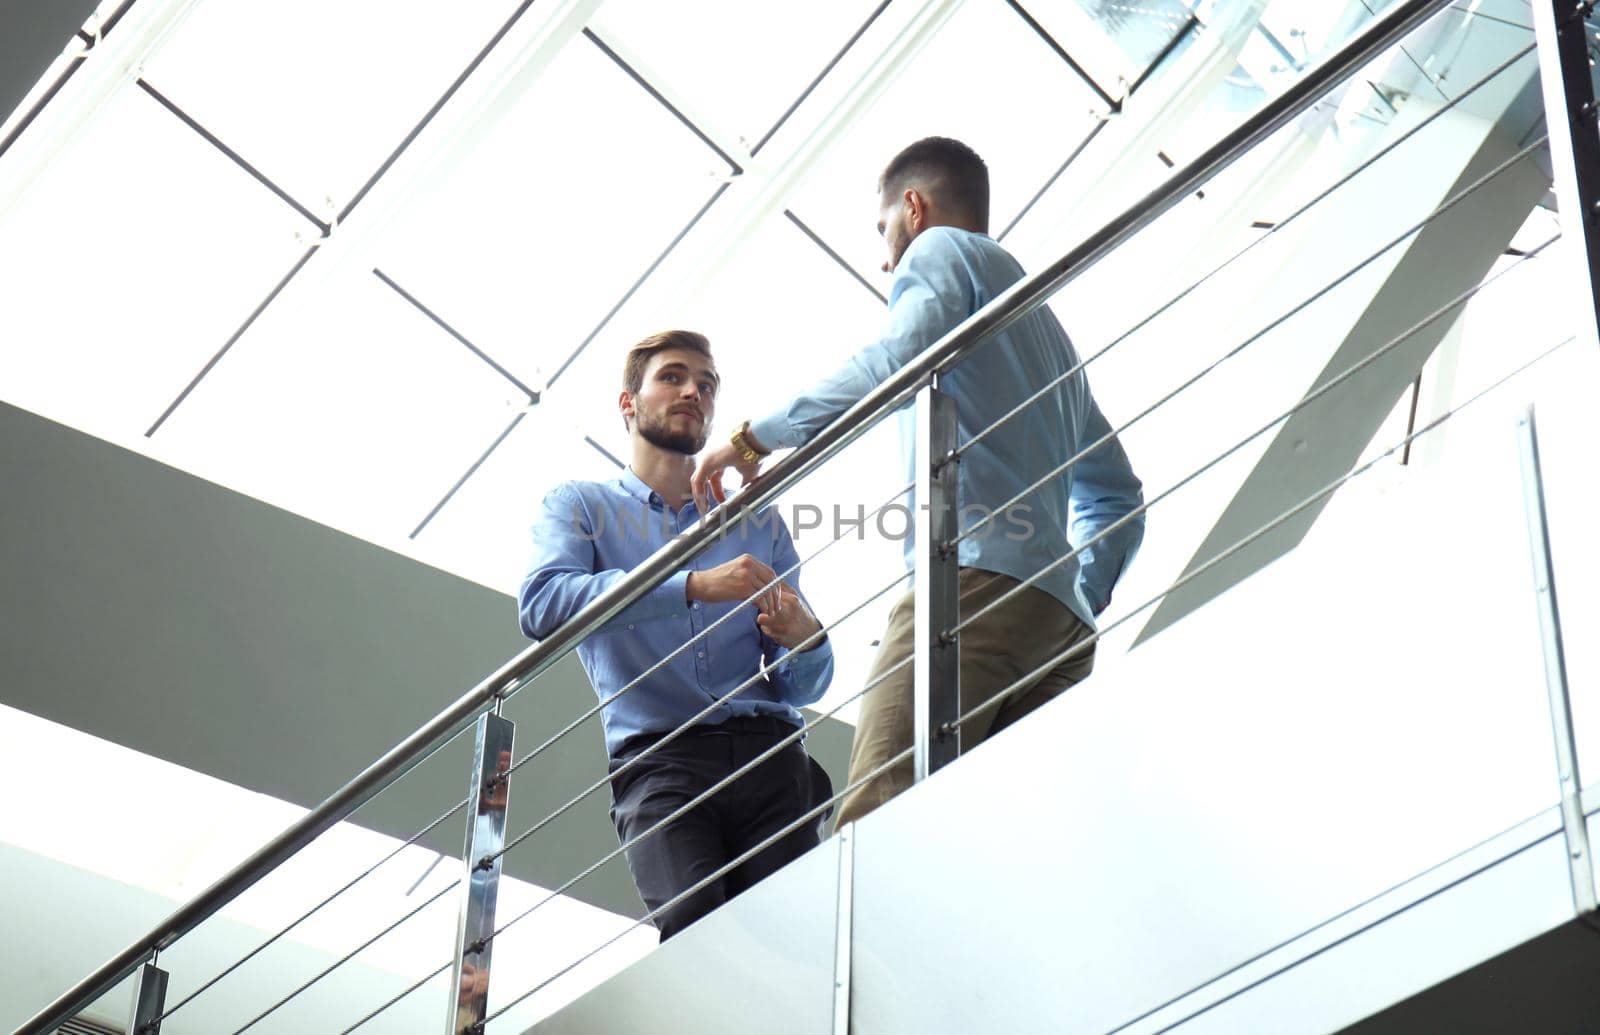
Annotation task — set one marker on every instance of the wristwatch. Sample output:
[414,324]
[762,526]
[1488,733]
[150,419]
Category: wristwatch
[741,441]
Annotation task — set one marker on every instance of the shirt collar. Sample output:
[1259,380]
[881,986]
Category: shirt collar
[635,487]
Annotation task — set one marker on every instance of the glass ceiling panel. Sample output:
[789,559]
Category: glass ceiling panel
[718,55]
[314,94]
[358,412]
[1021,75]
[1141,29]
[1455,50]
[1306,29]
[544,228]
[129,265]
[1518,13]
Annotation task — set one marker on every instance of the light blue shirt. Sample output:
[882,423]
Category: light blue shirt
[944,277]
[587,537]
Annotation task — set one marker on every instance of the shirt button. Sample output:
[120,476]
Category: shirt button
[630,628]
[699,653]
[695,605]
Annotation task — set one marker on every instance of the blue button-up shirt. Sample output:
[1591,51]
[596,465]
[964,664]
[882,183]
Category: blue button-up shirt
[944,277]
[588,536]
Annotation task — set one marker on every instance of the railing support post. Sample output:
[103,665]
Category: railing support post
[1573,821]
[486,836]
[936,658]
[149,1001]
[1572,117]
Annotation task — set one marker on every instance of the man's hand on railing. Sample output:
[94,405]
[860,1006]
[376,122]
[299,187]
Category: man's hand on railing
[706,482]
[733,582]
[791,622]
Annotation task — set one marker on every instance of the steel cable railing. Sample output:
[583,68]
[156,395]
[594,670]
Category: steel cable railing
[592,712]
[810,815]
[1073,651]
[347,957]
[682,810]
[1077,649]
[888,397]
[961,450]
[302,918]
[563,809]
[789,571]
[1276,228]
[1460,196]
[483,863]
[1274,324]
[814,813]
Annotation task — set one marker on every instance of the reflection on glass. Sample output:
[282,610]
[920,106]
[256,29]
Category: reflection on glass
[1115,42]
[1141,29]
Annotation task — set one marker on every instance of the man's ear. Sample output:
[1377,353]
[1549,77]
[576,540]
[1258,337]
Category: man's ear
[917,210]
[625,404]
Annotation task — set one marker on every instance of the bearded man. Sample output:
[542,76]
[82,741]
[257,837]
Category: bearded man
[587,537]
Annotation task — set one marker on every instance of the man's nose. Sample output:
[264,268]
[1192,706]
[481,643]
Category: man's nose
[886,267]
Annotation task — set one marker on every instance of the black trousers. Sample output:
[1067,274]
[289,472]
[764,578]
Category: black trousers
[724,826]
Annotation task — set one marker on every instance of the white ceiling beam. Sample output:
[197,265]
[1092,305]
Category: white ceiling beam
[114,62]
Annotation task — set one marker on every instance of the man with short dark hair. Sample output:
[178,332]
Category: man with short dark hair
[933,214]
[587,537]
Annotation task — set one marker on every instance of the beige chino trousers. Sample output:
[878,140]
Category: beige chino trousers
[996,651]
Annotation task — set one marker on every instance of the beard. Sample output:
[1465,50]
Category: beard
[654,430]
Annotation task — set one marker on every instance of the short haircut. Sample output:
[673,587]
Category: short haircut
[948,171]
[639,355]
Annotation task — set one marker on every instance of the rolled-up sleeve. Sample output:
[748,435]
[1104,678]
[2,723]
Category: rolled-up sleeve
[563,577]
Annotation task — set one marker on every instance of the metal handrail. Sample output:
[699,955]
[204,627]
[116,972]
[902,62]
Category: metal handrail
[1010,306]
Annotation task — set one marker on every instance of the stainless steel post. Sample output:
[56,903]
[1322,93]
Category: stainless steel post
[1555,670]
[844,929]
[149,1001]
[936,659]
[1572,117]
[486,836]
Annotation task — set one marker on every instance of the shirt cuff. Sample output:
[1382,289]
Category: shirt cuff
[668,600]
[774,432]
[803,666]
